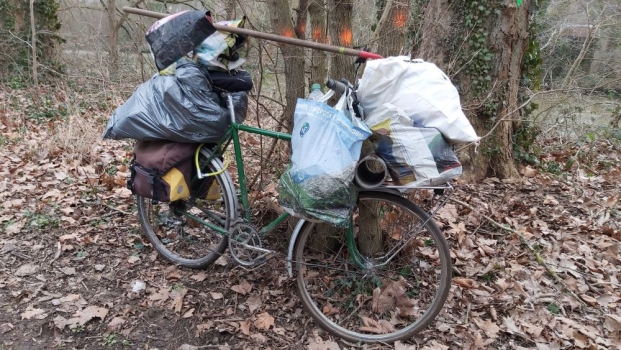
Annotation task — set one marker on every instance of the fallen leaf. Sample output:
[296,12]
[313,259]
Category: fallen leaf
[69,271]
[222,261]
[372,326]
[242,288]
[529,172]
[588,299]
[316,343]
[188,347]
[159,296]
[199,277]
[511,326]
[612,322]
[264,321]
[188,313]
[35,313]
[177,295]
[115,325]
[60,322]
[605,300]
[259,337]
[6,327]
[253,302]
[245,326]
[89,313]
[202,327]
[402,346]
[133,259]
[330,310]
[580,340]
[478,341]
[464,282]
[490,328]
[66,238]
[216,295]
[26,270]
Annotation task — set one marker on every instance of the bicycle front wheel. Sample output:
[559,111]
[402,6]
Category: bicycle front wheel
[387,284]
[192,232]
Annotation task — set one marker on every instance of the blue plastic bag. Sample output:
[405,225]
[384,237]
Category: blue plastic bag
[318,184]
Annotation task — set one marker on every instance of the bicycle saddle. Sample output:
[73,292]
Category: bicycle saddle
[232,81]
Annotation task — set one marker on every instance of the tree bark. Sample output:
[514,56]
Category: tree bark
[341,34]
[389,37]
[319,67]
[35,75]
[282,24]
[482,48]
[113,40]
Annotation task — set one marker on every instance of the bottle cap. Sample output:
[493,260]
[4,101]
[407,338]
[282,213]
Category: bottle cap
[315,87]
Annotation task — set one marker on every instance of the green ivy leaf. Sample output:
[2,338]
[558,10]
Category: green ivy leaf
[519,2]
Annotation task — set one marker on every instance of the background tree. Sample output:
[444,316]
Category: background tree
[482,45]
[319,33]
[389,36]
[282,23]
[16,39]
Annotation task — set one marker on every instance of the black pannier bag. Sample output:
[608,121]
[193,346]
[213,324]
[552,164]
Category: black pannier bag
[182,107]
[162,170]
[177,35]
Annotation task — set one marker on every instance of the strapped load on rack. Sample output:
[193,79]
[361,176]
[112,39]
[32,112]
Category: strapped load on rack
[182,102]
[421,90]
[415,114]
[183,107]
[415,155]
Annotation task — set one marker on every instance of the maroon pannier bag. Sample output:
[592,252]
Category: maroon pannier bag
[162,170]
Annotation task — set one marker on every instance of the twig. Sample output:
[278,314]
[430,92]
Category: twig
[525,242]
[467,313]
[113,208]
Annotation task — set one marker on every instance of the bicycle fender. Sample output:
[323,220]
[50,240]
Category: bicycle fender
[294,237]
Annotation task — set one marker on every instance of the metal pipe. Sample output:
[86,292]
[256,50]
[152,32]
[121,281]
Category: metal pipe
[371,172]
[267,36]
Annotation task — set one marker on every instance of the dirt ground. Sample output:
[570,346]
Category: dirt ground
[76,273]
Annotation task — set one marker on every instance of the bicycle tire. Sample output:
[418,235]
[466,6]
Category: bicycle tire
[181,239]
[375,303]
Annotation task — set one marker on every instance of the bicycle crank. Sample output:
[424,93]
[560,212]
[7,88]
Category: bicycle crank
[245,245]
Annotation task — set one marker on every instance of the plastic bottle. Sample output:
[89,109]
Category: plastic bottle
[315,93]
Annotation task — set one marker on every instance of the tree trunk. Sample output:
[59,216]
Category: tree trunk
[231,12]
[339,17]
[33,33]
[389,40]
[319,66]
[389,37]
[282,24]
[482,46]
[113,40]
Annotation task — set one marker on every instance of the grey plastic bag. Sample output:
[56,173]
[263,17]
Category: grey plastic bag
[180,107]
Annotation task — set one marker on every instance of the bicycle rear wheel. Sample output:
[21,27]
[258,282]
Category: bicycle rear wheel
[192,232]
[390,292]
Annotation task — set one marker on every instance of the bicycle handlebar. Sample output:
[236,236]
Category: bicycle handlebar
[337,86]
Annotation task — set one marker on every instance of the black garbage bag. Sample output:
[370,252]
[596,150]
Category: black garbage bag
[178,35]
[181,107]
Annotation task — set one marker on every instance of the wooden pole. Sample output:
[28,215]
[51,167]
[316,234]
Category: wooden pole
[267,36]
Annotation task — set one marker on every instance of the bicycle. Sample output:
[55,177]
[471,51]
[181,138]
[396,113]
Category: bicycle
[390,293]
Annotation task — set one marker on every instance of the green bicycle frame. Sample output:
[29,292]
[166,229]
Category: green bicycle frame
[232,134]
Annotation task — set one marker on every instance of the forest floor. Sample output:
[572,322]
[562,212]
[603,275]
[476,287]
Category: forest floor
[76,273]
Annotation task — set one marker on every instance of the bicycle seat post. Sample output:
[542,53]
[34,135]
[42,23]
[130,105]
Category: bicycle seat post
[229,103]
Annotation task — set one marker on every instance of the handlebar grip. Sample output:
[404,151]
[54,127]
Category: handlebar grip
[337,86]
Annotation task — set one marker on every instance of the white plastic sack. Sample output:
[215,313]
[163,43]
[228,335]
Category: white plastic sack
[415,156]
[326,145]
[421,90]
